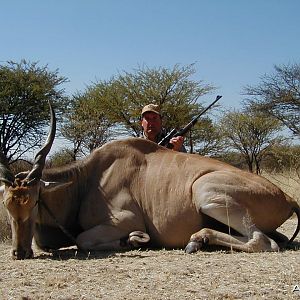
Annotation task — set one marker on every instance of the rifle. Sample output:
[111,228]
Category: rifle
[173,133]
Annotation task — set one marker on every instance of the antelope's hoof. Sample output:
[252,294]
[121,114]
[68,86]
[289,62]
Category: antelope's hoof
[192,247]
[138,238]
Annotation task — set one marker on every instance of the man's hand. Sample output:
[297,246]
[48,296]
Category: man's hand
[177,142]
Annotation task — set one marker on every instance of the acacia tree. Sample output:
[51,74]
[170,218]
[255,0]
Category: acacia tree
[123,97]
[86,126]
[278,95]
[252,134]
[25,89]
[111,109]
[207,138]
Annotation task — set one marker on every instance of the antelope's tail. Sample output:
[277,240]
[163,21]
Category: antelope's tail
[296,210]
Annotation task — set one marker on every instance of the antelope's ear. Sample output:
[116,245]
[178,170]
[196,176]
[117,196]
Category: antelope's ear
[50,186]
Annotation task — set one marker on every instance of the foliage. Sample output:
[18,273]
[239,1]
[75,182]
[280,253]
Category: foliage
[113,107]
[5,229]
[278,95]
[25,89]
[20,165]
[233,158]
[282,158]
[123,97]
[206,138]
[86,125]
[61,158]
[252,134]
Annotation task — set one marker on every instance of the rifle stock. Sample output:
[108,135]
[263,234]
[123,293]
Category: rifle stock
[173,133]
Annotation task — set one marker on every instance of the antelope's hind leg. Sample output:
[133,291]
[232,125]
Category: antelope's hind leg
[251,240]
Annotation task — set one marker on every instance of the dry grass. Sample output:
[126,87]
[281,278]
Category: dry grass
[152,274]
[156,274]
[288,181]
[5,231]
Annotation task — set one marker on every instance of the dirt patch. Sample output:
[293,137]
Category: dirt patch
[153,274]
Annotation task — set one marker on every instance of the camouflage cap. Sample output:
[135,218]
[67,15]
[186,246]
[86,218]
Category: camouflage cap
[151,107]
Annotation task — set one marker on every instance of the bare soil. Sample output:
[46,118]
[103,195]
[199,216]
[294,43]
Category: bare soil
[153,274]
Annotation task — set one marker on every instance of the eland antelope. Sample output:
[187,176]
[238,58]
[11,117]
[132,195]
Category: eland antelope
[133,192]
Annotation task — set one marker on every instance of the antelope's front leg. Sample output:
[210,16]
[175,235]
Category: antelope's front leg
[107,237]
[124,233]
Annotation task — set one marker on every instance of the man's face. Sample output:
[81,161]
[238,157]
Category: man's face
[151,123]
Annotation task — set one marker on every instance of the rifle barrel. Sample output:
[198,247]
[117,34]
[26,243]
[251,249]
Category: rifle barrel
[186,128]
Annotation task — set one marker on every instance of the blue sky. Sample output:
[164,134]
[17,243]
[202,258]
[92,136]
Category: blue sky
[232,42]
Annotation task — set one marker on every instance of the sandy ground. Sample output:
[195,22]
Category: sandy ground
[153,274]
